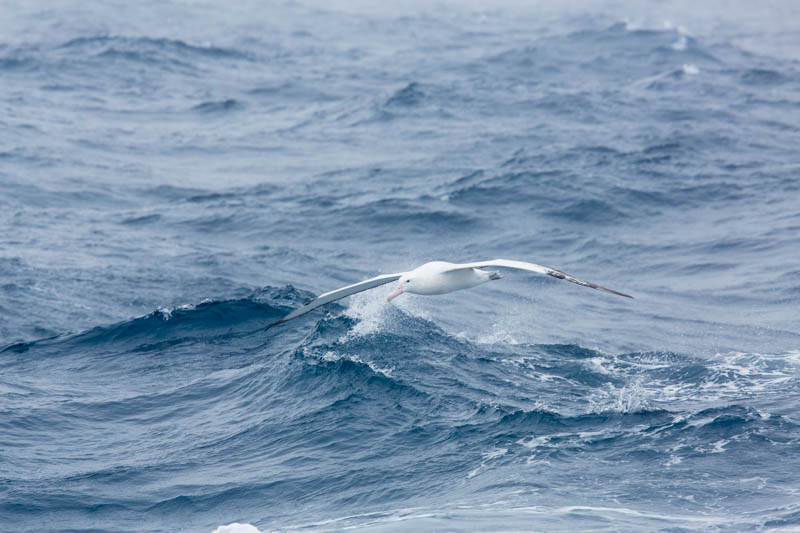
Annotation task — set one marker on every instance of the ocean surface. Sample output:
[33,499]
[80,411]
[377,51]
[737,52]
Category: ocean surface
[175,176]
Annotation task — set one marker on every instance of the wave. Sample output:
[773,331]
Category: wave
[408,214]
[643,154]
[409,96]
[103,56]
[590,212]
[293,90]
[11,63]
[170,325]
[763,77]
[141,220]
[145,48]
[218,107]
[624,42]
[371,386]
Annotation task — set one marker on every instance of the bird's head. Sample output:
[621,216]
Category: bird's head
[406,281]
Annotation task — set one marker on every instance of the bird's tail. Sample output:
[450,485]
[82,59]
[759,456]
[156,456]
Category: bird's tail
[494,275]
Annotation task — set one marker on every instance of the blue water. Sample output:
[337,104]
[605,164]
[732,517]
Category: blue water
[174,176]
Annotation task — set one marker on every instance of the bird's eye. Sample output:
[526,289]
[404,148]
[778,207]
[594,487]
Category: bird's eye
[408,281]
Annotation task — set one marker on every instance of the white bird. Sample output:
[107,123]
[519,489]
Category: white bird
[437,277]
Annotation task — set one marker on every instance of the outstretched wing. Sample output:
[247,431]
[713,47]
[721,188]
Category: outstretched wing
[539,269]
[338,294]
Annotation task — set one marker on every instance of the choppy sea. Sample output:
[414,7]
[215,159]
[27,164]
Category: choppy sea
[176,175]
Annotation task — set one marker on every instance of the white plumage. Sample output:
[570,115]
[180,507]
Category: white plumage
[438,277]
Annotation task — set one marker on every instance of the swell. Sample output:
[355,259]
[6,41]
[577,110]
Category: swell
[608,53]
[401,401]
[410,215]
[551,187]
[103,44]
[107,56]
[171,325]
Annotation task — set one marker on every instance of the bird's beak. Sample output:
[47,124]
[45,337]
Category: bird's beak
[395,293]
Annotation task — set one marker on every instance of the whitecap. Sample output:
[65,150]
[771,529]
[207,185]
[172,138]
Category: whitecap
[494,453]
[690,69]
[166,312]
[630,398]
[719,446]
[333,356]
[236,527]
[673,460]
[681,44]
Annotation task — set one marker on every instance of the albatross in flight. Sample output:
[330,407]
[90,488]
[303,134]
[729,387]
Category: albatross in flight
[437,277]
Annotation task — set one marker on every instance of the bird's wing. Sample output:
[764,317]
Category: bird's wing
[338,294]
[539,269]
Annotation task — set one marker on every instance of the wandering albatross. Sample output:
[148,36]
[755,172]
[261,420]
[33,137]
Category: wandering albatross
[438,277]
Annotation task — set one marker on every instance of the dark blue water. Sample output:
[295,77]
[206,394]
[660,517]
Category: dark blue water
[174,176]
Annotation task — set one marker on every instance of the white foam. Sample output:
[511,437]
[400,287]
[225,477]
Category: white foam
[631,25]
[792,356]
[540,445]
[166,312]
[487,456]
[728,377]
[515,323]
[681,44]
[365,520]
[598,365]
[719,446]
[630,398]
[544,440]
[737,374]
[690,69]
[762,481]
[331,355]
[635,512]
[538,442]
[673,460]
[495,516]
[371,310]
[498,335]
[236,527]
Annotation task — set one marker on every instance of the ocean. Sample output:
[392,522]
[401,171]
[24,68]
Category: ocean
[175,176]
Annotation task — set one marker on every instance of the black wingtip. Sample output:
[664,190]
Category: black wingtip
[612,291]
[620,294]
